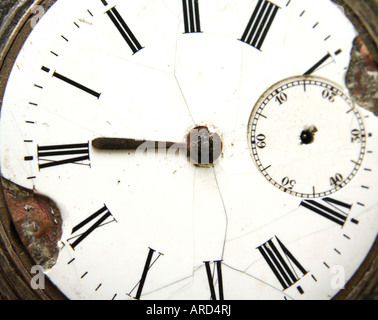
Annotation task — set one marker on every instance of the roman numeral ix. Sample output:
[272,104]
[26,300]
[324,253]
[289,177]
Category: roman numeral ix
[282,262]
[57,155]
[259,24]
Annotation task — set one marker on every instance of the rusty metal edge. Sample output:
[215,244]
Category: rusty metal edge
[15,262]
[363,283]
[364,16]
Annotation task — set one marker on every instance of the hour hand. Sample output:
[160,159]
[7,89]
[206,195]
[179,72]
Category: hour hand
[132,144]
[202,147]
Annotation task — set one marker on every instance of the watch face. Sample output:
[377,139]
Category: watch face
[195,149]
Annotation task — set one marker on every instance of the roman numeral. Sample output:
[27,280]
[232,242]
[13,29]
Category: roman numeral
[210,277]
[259,24]
[72,82]
[123,29]
[321,62]
[191,16]
[281,261]
[76,85]
[62,154]
[329,208]
[101,215]
[149,263]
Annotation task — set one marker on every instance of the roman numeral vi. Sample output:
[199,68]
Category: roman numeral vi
[210,277]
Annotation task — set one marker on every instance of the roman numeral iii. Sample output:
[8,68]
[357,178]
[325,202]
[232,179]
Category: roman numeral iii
[259,24]
[282,262]
[57,155]
[191,16]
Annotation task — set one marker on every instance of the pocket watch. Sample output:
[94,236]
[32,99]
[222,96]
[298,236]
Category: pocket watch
[188,150]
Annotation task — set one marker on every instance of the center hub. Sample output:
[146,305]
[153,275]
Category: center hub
[308,135]
[203,146]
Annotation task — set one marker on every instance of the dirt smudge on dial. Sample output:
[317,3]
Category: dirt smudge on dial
[85,21]
[362,77]
[37,221]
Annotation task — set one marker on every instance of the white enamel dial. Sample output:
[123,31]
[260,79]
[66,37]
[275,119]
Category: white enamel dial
[155,226]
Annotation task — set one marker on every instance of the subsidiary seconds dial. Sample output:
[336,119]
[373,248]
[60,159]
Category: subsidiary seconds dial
[307,138]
